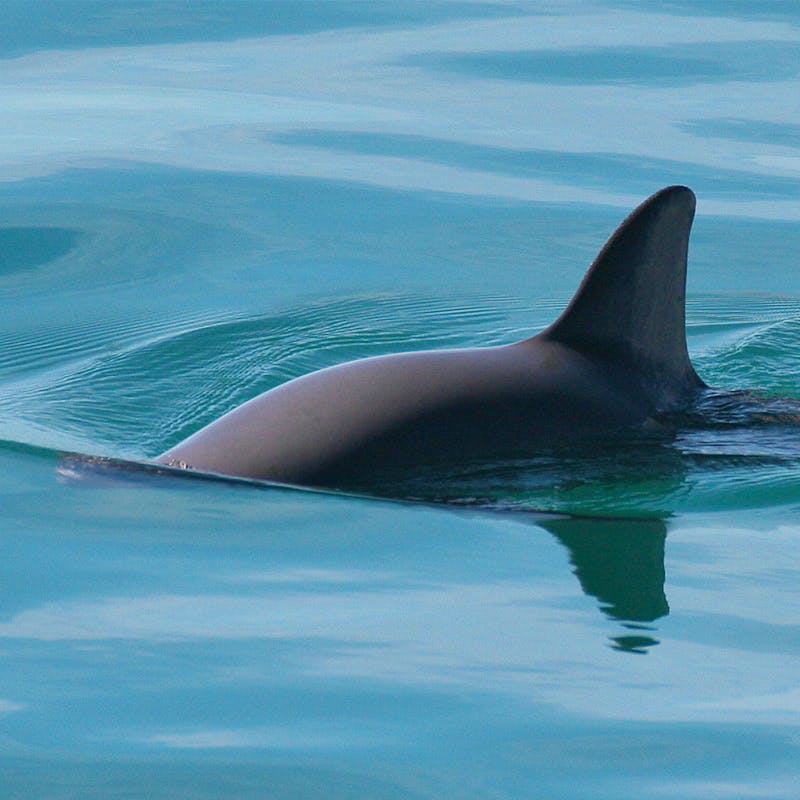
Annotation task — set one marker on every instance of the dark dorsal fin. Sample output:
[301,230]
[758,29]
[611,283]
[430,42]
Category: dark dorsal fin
[630,306]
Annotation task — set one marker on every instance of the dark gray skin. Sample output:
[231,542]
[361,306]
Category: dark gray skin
[614,358]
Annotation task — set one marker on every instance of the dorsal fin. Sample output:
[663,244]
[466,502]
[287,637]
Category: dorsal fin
[630,306]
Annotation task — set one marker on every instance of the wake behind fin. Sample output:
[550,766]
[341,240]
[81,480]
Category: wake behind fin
[630,306]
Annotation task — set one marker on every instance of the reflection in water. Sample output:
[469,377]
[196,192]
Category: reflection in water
[621,563]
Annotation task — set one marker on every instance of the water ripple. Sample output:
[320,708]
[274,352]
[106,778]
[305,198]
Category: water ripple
[138,386]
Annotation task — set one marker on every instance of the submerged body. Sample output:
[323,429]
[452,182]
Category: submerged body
[616,356]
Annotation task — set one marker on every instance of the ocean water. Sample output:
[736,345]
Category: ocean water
[200,200]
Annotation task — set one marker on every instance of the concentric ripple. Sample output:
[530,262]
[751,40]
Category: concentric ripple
[77,391]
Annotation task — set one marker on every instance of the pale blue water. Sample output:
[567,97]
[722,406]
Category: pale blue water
[201,200]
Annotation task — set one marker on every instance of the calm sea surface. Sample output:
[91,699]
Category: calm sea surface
[200,200]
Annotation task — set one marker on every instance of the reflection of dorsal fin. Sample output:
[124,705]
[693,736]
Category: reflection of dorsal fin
[630,305]
[618,561]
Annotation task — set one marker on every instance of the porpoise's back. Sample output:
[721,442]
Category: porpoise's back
[616,355]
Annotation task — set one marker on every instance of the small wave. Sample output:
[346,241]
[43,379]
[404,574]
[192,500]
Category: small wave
[763,353]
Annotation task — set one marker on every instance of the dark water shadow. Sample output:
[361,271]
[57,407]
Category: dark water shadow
[619,474]
[55,24]
[667,66]
[597,169]
[26,248]
[619,562]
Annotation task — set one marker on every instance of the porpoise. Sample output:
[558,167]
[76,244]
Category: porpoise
[615,358]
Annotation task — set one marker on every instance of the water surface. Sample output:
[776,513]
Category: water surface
[199,201]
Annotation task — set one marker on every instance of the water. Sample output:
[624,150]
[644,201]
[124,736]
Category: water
[189,217]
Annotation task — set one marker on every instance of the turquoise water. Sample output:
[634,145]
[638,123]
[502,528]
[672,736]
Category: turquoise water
[201,200]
